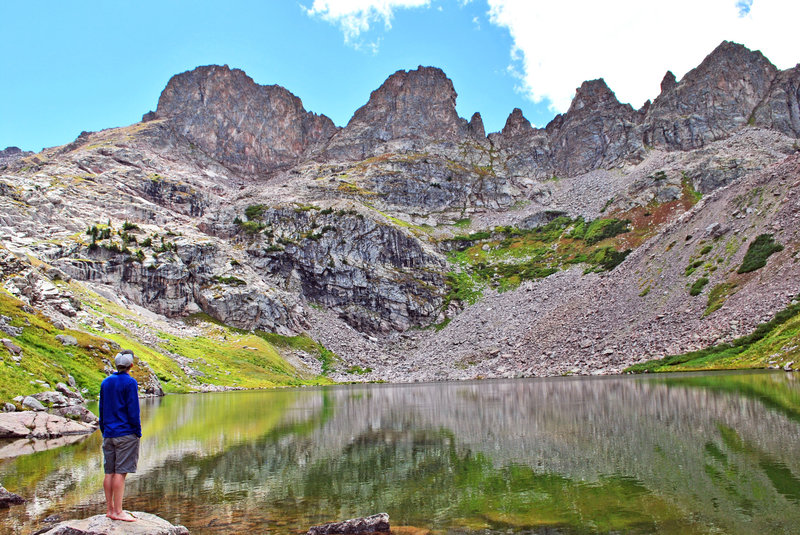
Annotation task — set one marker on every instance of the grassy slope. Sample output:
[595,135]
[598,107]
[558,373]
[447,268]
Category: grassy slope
[226,356]
[774,343]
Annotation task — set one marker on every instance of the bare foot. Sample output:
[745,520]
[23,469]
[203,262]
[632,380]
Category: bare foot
[125,517]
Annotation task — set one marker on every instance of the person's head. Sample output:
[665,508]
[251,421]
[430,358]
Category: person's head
[124,360]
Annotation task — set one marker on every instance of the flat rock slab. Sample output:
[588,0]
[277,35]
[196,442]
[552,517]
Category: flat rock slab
[372,524]
[146,524]
[31,424]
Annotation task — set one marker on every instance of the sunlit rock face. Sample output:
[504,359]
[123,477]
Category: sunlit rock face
[408,110]
[251,128]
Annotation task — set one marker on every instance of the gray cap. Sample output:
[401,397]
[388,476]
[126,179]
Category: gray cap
[124,358]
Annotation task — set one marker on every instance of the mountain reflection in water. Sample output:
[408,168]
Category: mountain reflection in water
[649,454]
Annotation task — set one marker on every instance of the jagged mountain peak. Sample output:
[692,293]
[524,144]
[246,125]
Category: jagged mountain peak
[516,124]
[668,82]
[593,95]
[413,105]
[252,128]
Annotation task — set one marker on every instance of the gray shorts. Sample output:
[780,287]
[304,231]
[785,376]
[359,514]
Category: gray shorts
[120,454]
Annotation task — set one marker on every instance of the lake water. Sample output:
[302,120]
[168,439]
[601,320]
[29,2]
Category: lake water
[715,453]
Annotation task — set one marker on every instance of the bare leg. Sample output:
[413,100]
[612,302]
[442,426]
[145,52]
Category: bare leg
[118,490]
[109,495]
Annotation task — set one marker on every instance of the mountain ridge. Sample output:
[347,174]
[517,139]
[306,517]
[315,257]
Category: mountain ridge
[412,244]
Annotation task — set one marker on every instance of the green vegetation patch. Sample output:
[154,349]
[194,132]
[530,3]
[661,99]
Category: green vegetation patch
[760,249]
[771,342]
[506,256]
[698,286]
[718,295]
[45,358]
[328,358]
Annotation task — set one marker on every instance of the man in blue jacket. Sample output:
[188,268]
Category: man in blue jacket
[122,429]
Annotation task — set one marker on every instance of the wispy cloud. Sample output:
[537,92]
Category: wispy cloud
[357,17]
[557,45]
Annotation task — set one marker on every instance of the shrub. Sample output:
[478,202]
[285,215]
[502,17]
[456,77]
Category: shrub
[600,229]
[231,281]
[255,211]
[758,252]
[127,225]
[698,286]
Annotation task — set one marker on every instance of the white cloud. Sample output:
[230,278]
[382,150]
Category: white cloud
[559,44]
[355,17]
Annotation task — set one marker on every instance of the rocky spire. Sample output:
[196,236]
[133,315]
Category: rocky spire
[711,101]
[476,128]
[668,82]
[516,125]
[597,131]
[251,128]
[411,105]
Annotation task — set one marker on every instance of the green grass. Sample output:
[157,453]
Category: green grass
[45,358]
[698,286]
[224,355]
[718,295]
[771,343]
[506,256]
[328,358]
[760,249]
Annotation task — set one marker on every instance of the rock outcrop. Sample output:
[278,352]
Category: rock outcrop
[253,129]
[410,109]
[596,132]
[146,524]
[40,425]
[12,154]
[712,101]
[232,200]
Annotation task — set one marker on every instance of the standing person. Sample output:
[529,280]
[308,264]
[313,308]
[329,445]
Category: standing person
[122,429]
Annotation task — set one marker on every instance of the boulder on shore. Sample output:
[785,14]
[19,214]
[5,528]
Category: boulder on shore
[372,524]
[40,425]
[147,524]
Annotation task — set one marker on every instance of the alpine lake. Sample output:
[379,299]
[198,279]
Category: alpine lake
[673,454]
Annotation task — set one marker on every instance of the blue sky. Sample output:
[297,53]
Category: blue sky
[73,65]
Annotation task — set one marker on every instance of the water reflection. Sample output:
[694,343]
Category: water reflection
[681,454]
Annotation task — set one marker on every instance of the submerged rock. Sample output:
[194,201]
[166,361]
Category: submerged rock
[8,499]
[147,524]
[372,524]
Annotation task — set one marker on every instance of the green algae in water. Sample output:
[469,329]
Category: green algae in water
[660,454]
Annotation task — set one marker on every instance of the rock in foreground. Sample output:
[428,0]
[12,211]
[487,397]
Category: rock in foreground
[146,524]
[40,425]
[372,524]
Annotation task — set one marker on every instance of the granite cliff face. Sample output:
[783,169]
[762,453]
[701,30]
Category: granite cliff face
[410,242]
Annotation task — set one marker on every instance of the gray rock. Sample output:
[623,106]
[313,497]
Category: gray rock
[33,404]
[52,399]
[67,340]
[147,524]
[78,413]
[734,78]
[13,348]
[9,407]
[372,524]
[8,499]
[40,425]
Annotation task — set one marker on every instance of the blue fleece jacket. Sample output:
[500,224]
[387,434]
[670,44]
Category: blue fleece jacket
[119,406]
